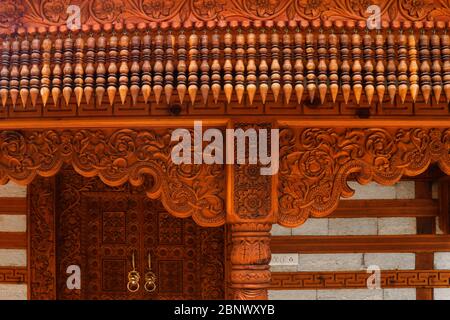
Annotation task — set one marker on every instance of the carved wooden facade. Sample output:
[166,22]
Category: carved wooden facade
[105,98]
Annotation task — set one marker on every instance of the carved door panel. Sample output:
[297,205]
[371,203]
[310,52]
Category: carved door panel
[98,228]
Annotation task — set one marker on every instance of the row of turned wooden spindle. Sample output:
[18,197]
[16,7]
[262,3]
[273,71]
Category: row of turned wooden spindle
[241,61]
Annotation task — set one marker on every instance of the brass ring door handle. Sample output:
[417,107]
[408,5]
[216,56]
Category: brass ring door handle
[150,277]
[133,277]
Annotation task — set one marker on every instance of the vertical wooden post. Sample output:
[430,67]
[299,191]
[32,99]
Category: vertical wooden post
[250,257]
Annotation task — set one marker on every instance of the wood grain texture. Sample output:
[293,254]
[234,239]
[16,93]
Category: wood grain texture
[13,240]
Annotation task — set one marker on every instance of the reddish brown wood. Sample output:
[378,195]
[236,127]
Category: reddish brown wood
[337,244]
[13,240]
[13,206]
[13,275]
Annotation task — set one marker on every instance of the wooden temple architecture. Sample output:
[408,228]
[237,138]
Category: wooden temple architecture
[86,115]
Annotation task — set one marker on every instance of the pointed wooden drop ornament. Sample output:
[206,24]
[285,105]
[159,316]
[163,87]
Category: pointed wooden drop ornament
[445,40]
[4,72]
[57,71]
[310,66]
[251,66]
[35,73]
[287,67]
[158,68]
[123,68]
[436,66]
[379,68]
[193,67]
[79,71]
[239,67]
[204,67]
[369,88]
[146,77]
[24,71]
[169,68]
[100,79]
[298,65]
[391,68]
[263,67]
[333,66]
[425,77]
[67,70]
[135,67]
[215,67]
[345,67]
[356,67]
[111,90]
[275,76]
[413,67]
[228,67]
[90,69]
[14,72]
[181,67]
[402,67]
[322,66]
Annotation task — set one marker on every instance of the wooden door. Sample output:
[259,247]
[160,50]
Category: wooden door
[99,228]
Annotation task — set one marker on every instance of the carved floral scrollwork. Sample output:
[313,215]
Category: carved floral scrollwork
[117,157]
[316,163]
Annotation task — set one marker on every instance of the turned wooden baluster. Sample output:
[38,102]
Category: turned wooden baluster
[263,67]
[35,71]
[14,72]
[4,73]
[239,67]
[100,77]
[287,67]
[215,67]
[251,66]
[275,68]
[112,68]
[181,67]
[135,67]
[228,67]
[146,76]
[345,67]
[446,67]
[380,68]
[436,67]
[57,70]
[90,69]
[310,66]
[68,69]
[333,65]
[356,67]
[24,83]
[425,77]
[204,67]
[250,257]
[169,68]
[158,68]
[79,71]
[391,67]
[193,67]
[402,67]
[123,68]
[369,88]
[322,66]
[298,66]
[413,67]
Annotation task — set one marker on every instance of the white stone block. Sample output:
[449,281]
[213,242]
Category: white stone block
[352,226]
[13,223]
[292,294]
[371,191]
[330,262]
[278,230]
[284,259]
[405,190]
[441,293]
[13,257]
[312,227]
[399,294]
[13,291]
[438,229]
[12,190]
[350,294]
[391,261]
[397,225]
[442,260]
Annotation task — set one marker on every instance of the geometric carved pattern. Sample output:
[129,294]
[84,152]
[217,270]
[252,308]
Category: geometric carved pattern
[117,157]
[13,275]
[315,164]
[358,279]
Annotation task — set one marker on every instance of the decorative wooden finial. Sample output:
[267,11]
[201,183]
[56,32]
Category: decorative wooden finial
[436,66]
[402,68]
[445,38]
[263,67]
[380,68]
[57,71]
[112,69]
[322,66]
[310,66]
[158,67]
[228,67]
[425,77]
[146,76]
[356,67]
[239,67]
[135,67]
[181,67]
[79,71]
[123,68]
[193,67]
[345,67]
[413,67]
[298,66]
[275,76]
[35,71]
[287,67]
[100,79]
[24,71]
[215,67]
[251,66]
[4,73]
[391,68]
[333,66]
[204,68]
[169,68]
[369,88]
[90,69]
